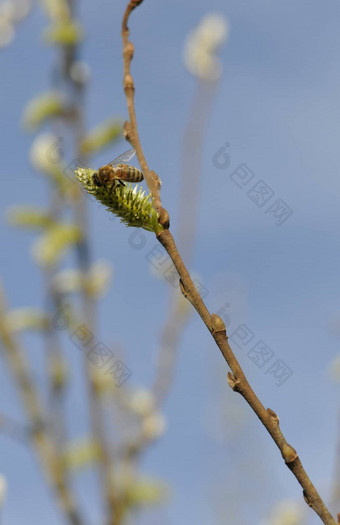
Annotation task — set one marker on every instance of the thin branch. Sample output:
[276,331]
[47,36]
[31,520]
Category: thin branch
[238,381]
[214,323]
[192,146]
[130,128]
[83,254]
[51,461]
[53,349]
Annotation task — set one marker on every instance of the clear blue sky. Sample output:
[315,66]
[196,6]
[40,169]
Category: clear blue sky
[278,105]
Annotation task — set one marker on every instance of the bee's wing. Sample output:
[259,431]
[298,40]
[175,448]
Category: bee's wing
[123,157]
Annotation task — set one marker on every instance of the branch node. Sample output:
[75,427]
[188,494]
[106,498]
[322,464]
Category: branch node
[273,415]
[164,218]
[217,324]
[127,131]
[128,84]
[306,499]
[128,50]
[182,287]
[156,180]
[233,382]
[289,453]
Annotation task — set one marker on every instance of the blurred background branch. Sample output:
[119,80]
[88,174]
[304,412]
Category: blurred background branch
[200,57]
[100,437]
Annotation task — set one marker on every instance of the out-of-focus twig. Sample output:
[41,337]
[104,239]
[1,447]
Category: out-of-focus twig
[335,497]
[54,355]
[84,262]
[51,461]
[187,223]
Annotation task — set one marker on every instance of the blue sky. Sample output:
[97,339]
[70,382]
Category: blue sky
[278,106]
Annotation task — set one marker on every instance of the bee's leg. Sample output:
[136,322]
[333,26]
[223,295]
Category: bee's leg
[116,181]
[95,179]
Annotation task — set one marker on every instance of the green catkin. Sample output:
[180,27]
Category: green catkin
[127,202]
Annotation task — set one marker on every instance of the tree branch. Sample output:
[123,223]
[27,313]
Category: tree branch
[83,254]
[130,128]
[237,380]
[51,460]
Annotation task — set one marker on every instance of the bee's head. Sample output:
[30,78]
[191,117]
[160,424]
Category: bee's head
[95,179]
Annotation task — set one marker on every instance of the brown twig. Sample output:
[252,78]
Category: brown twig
[236,378]
[130,128]
[238,381]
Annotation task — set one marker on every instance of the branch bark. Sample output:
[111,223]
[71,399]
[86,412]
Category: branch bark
[236,378]
[130,128]
[239,383]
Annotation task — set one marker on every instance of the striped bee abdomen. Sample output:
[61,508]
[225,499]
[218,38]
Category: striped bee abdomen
[109,175]
[128,173]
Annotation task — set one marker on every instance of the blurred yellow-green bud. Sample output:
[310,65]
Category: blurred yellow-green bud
[102,383]
[200,52]
[12,12]
[153,426]
[81,453]
[68,281]
[47,157]
[334,369]
[101,136]
[142,402]
[6,31]
[42,108]
[68,33]
[146,491]
[96,282]
[29,217]
[57,10]
[287,512]
[27,319]
[135,489]
[58,371]
[52,245]
[80,72]
[127,202]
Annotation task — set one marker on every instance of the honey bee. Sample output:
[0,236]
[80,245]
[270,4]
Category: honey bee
[117,171]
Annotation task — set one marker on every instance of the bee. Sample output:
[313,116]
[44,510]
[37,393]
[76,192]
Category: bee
[117,171]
